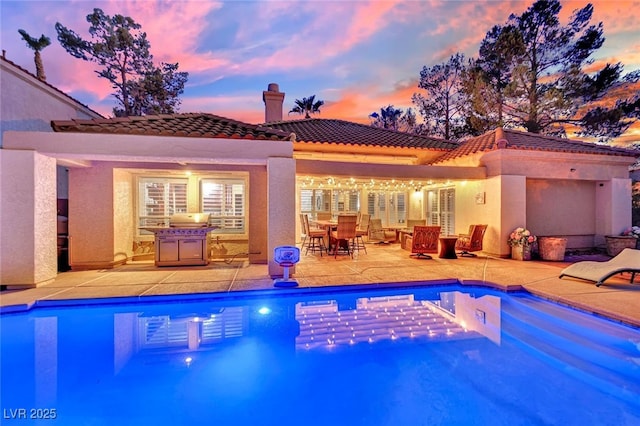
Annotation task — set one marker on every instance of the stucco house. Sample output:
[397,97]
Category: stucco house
[126,173]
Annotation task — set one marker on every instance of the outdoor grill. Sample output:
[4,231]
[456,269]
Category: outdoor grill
[184,242]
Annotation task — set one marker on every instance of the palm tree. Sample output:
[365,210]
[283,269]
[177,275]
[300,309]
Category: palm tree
[307,106]
[388,118]
[37,44]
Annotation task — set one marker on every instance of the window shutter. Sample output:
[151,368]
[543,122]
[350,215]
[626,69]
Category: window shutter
[225,200]
[161,198]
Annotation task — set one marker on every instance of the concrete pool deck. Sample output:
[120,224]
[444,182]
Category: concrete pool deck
[615,299]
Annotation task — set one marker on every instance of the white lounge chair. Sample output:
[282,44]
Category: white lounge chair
[628,260]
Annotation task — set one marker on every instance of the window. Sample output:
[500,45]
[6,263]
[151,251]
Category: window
[345,201]
[159,198]
[441,209]
[225,200]
[390,207]
[315,200]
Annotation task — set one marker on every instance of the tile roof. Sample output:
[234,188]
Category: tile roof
[198,125]
[530,142]
[18,67]
[321,130]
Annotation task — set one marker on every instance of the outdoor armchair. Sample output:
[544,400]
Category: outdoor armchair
[378,234]
[468,243]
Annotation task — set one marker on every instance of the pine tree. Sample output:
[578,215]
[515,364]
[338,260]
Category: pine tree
[121,48]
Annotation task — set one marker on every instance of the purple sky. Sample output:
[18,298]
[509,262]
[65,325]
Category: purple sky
[357,56]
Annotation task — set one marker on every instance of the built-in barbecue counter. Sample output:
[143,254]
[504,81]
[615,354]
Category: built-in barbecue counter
[184,242]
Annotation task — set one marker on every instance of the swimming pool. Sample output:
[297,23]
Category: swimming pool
[355,356]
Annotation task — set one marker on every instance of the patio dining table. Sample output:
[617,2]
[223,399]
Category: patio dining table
[328,226]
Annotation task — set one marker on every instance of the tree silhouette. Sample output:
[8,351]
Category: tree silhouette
[307,106]
[37,44]
[442,105]
[121,48]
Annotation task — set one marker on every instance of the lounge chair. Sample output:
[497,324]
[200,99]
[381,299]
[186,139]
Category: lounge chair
[378,234]
[628,260]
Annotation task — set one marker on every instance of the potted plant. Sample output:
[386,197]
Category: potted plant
[629,238]
[520,241]
[634,232]
[552,248]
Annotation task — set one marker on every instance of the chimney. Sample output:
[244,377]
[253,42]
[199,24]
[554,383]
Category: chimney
[273,100]
[501,139]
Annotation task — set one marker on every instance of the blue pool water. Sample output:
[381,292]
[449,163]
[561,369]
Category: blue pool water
[389,356]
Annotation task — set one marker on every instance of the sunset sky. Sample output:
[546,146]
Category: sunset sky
[357,56]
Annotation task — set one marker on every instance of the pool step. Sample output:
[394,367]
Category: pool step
[573,343]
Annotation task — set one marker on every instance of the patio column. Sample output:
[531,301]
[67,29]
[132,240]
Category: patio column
[96,209]
[28,232]
[613,208]
[281,208]
[507,203]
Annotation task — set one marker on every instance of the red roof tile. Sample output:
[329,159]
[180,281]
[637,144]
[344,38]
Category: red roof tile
[530,142]
[345,132]
[198,125]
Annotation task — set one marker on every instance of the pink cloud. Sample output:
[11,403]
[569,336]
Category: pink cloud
[624,13]
[357,103]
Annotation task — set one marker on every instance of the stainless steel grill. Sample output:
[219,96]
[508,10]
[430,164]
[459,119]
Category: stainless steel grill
[189,220]
[184,242]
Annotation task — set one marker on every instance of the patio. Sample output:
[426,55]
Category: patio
[616,299]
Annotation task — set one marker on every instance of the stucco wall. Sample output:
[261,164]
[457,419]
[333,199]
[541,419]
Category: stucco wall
[498,202]
[123,218]
[564,208]
[91,217]
[416,206]
[29,104]
[28,213]
[613,201]
[281,196]
[476,204]
[258,214]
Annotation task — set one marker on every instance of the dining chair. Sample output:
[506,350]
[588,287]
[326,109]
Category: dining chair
[362,229]
[323,215]
[316,238]
[303,230]
[342,237]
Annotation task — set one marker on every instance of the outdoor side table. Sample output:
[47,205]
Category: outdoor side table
[448,247]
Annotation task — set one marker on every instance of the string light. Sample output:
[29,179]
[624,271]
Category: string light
[352,185]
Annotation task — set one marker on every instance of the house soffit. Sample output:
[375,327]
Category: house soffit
[336,174]
[80,150]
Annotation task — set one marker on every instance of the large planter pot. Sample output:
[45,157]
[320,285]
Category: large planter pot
[617,243]
[521,252]
[552,248]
